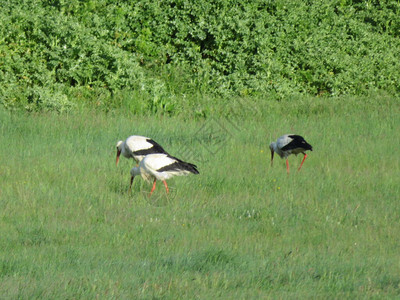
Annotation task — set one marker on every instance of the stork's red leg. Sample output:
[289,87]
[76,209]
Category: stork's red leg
[287,165]
[154,187]
[166,186]
[305,156]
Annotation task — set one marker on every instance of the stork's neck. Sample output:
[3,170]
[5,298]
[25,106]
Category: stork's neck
[274,147]
[124,152]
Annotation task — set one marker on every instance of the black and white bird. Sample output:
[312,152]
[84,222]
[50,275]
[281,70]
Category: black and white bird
[289,144]
[161,166]
[137,147]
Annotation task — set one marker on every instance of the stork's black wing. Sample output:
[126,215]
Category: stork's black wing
[297,142]
[155,148]
[179,165]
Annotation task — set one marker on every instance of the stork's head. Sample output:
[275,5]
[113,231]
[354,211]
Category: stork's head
[119,149]
[272,147]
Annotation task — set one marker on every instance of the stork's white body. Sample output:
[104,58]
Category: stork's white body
[161,167]
[283,141]
[137,147]
[289,144]
[156,166]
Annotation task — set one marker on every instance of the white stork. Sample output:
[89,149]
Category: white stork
[161,166]
[289,144]
[138,147]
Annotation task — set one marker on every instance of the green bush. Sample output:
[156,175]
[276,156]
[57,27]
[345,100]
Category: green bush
[166,50]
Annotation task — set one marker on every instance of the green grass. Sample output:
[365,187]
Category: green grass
[239,230]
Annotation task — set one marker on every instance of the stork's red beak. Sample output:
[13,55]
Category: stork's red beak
[118,154]
[130,186]
[272,157]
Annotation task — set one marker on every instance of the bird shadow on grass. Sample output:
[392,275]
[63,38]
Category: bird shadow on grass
[141,189]
[159,198]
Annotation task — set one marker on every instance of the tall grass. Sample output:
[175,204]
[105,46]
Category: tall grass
[240,229]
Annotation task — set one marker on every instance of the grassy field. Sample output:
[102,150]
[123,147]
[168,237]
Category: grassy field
[239,230]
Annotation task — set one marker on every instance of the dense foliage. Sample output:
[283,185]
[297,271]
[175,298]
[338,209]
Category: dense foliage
[56,54]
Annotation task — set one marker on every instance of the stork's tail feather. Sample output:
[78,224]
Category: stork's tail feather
[189,167]
[192,168]
[180,165]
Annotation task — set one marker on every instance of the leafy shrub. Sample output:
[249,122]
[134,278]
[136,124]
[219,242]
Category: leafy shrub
[46,99]
[162,51]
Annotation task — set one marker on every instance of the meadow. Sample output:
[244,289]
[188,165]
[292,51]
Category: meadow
[241,229]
